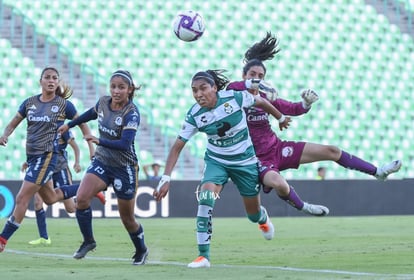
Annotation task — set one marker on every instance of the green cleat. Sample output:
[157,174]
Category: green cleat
[41,241]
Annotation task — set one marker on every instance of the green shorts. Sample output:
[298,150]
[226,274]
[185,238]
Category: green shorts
[246,178]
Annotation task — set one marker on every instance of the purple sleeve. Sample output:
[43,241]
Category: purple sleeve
[239,86]
[285,107]
[289,108]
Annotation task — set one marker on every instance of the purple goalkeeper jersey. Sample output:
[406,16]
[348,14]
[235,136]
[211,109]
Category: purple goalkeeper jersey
[263,137]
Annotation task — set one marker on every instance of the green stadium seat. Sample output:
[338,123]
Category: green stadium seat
[368,61]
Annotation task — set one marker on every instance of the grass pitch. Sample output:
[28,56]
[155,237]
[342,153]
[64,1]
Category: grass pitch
[375,247]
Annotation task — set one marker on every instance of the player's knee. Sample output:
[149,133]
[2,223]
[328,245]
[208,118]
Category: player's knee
[70,209]
[274,180]
[129,223]
[48,201]
[333,152]
[206,197]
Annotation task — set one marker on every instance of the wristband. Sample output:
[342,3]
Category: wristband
[164,179]
[282,119]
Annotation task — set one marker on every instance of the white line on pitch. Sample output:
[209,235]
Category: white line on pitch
[323,271]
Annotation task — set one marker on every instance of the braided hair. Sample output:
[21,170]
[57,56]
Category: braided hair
[266,49]
[213,77]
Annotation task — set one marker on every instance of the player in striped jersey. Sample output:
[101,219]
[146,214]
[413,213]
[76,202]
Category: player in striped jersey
[44,113]
[230,154]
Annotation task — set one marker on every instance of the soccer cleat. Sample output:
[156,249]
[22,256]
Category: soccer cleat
[268,230]
[315,210]
[41,241]
[101,197]
[3,243]
[140,258]
[199,262]
[387,169]
[84,249]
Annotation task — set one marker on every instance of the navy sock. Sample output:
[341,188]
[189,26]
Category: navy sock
[69,190]
[84,218]
[138,239]
[9,228]
[41,223]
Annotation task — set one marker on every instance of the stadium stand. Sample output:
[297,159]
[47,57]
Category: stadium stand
[359,62]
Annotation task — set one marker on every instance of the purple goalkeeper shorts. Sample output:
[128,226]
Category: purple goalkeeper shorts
[283,155]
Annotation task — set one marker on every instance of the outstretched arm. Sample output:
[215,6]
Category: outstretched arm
[263,103]
[164,184]
[10,128]
[81,121]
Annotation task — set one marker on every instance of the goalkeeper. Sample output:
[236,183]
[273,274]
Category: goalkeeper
[277,155]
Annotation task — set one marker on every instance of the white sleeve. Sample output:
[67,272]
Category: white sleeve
[248,99]
[187,131]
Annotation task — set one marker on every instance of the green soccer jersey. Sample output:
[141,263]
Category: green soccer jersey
[225,126]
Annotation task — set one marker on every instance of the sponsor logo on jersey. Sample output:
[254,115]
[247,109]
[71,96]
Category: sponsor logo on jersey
[118,121]
[106,130]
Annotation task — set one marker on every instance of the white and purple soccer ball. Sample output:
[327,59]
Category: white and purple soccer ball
[188,26]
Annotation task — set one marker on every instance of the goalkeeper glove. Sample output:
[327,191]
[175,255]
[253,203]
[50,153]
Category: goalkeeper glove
[309,96]
[262,86]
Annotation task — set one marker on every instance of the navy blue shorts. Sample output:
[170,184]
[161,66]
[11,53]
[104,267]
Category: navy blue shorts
[40,168]
[62,177]
[123,179]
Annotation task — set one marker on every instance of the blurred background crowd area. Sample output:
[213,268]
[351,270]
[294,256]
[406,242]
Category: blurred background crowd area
[358,55]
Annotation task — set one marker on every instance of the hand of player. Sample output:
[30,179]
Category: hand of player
[264,87]
[309,96]
[162,188]
[24,166]
[62,129]
[268,89]
[3,140]
[285,123]
[77,167]
[91,138]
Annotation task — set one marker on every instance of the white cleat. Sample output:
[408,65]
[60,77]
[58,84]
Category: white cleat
[387,169]
[315,210]
[199,262]
[268,230]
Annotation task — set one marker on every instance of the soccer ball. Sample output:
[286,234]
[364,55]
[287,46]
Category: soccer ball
[188,26]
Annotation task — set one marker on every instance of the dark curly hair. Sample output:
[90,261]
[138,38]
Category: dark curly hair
[266,49]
